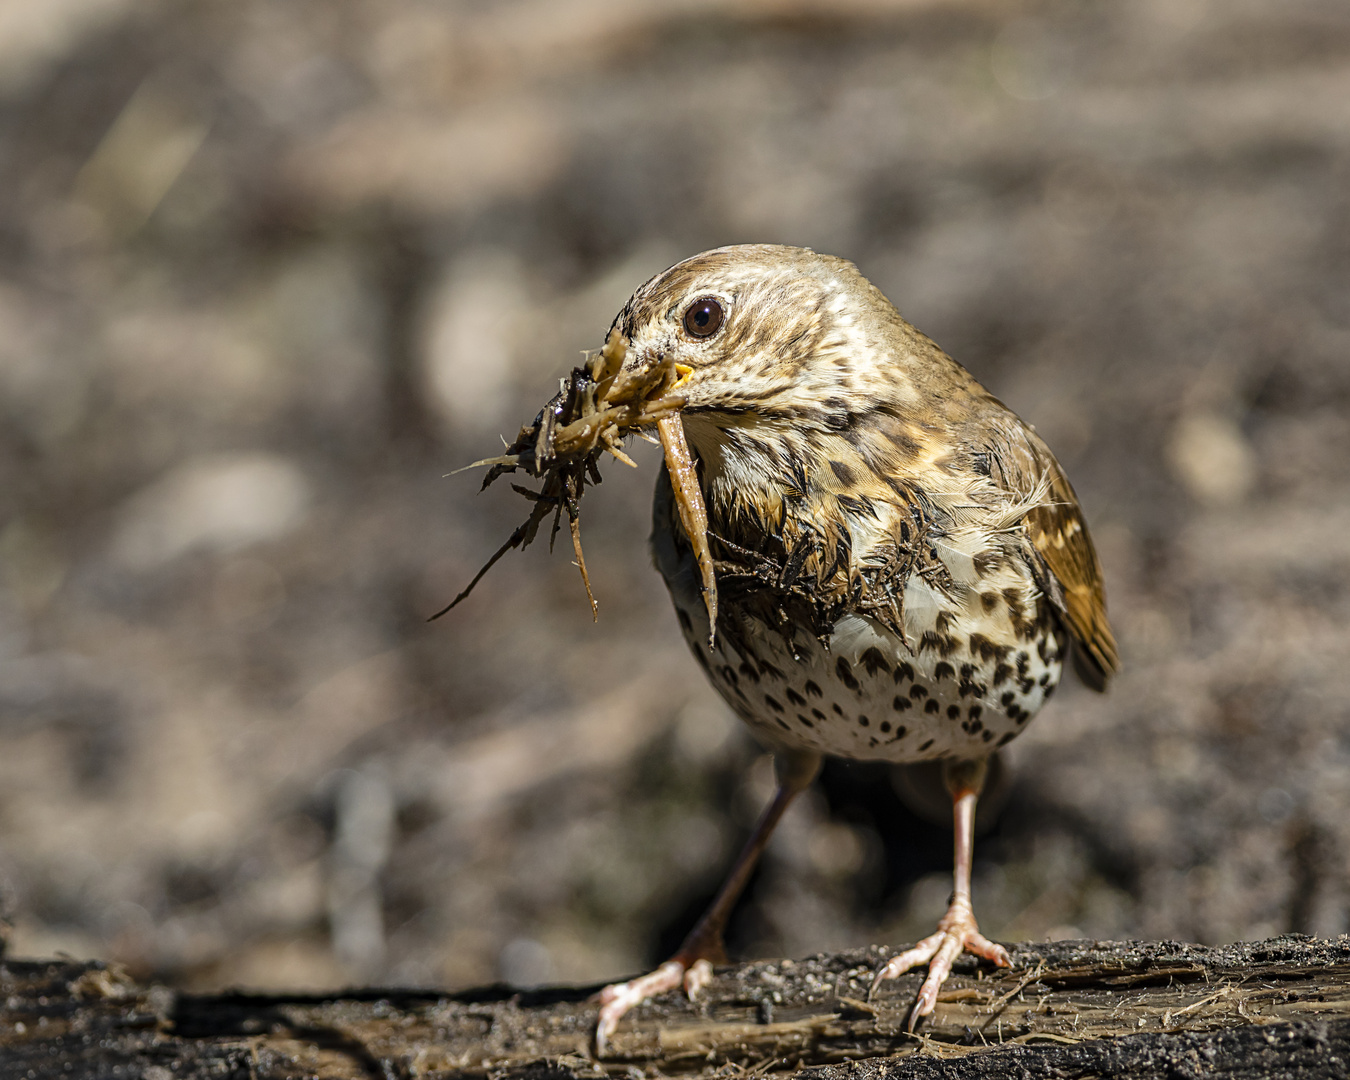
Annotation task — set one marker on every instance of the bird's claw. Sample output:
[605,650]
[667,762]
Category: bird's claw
[698,976]
[956,933]
[617,999]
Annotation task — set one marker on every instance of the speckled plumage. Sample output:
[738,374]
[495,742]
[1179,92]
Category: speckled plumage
[902,565]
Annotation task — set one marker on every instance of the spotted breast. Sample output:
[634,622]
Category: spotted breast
[975,654]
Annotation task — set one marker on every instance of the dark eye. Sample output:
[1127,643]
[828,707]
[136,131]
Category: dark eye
[703,317]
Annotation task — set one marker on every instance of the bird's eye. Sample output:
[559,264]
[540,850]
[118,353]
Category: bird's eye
[703,318]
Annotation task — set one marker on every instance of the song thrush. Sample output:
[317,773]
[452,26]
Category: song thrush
[869,554]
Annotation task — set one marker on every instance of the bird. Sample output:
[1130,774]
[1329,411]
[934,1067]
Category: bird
[870,556]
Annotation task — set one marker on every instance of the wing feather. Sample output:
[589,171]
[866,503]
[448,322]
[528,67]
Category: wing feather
[1059,534]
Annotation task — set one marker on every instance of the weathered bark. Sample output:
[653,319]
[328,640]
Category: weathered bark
[1067,1009]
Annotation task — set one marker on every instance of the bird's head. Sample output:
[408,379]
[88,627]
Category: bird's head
[762,334]
[783,355]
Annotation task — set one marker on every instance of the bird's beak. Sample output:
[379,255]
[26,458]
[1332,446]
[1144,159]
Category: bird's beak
[688,493]
[692,510]
[660,403]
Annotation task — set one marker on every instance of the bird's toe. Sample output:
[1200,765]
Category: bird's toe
[617,998]
[956,933]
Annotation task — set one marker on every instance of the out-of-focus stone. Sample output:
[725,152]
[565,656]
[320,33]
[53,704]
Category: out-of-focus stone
[364,833]
[525,962]
[44,389]
[1030,60]
[34,36]
[143,153]
[214,504]
[471,331]
[1211,458]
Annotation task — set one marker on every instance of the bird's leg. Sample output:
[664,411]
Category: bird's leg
[692,963]
[957,932]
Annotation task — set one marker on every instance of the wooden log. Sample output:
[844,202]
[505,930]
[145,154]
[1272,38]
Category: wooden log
[1066,1009]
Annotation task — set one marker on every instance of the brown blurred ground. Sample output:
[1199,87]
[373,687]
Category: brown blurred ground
[268,270]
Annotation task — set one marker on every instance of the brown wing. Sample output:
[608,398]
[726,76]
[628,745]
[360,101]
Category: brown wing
[1060,536]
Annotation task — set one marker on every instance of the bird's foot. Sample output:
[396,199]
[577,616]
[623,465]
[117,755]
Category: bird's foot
[956,933]
[695,972]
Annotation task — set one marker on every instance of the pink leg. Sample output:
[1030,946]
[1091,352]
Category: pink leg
[692,964]
[957,931]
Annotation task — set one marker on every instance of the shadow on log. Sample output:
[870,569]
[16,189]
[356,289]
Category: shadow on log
[1066,1009]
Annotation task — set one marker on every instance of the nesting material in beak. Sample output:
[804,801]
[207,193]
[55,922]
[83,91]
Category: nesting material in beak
[597,405]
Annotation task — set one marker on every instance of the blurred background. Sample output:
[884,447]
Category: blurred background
[269,270]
